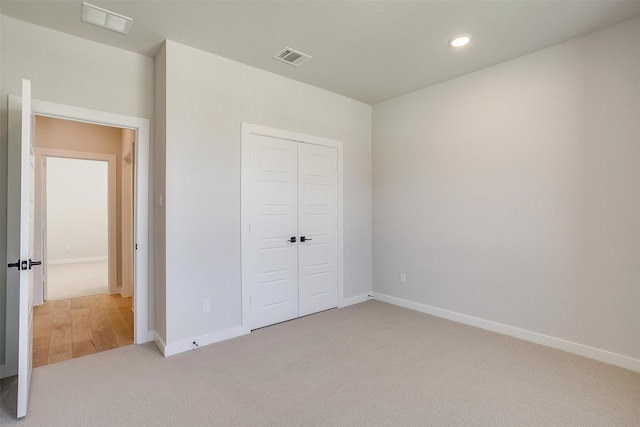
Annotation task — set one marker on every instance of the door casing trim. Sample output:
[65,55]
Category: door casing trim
[111,204]
[142,304]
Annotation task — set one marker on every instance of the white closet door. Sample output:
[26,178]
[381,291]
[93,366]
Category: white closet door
[274,258]
[318,228]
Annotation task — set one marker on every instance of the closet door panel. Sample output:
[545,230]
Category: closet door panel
[274,258]
[318,228]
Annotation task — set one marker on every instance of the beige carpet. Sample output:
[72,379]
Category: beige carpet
[371,364]
[78,279]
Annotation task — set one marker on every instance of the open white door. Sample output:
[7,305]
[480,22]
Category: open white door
[25,181]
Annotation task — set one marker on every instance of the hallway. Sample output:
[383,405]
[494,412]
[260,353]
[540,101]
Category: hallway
[75,327]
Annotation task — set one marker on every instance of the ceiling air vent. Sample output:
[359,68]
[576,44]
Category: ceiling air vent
[292,56]
[105,18]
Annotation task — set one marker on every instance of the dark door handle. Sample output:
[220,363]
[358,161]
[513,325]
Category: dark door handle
[31,263]
[292,240]
[304,239]
[20,265]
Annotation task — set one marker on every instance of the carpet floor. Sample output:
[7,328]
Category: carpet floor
[371,364]
[78,279]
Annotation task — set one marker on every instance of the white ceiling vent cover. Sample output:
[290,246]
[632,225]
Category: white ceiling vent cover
[105,18]
[292,56]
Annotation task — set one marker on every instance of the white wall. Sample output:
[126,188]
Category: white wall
[76,210]
[207,99]
[513,194]
[66,70]
[160,217]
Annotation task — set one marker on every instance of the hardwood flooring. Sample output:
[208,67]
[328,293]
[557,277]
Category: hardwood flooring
[76,327]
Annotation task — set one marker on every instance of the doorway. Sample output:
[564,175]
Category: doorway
[141,200]
[75,227]
[84,231]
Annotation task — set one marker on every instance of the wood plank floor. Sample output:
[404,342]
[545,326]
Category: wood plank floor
[75,327]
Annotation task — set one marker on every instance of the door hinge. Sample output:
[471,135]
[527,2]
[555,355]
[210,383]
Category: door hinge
[136,246]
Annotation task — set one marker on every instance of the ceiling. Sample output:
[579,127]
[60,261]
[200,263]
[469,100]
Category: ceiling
[366,50]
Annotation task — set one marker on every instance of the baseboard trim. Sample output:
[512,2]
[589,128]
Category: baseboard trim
[8,370]
[77,260]
[523,334]
[147,337]
[355,300]
[159,342]
[186,345]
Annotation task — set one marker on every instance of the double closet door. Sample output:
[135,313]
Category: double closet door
[293,229]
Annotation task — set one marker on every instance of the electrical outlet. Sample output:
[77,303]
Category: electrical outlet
[206,305]
[403,278]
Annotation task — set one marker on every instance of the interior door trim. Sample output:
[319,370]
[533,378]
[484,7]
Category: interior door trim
[111,204]
[143,307]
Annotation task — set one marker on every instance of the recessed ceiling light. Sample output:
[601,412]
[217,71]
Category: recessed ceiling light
[106,19]
[460,40]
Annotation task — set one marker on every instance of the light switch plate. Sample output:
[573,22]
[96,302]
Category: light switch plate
[206,305]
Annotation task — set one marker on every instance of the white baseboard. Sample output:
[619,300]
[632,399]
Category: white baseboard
[356,300]
[159,342]
[147,337]
[77,260]
[8,370]
[553,342]
[182,346]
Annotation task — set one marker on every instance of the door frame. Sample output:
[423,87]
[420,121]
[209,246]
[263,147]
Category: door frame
[112,232]
[141,302]
[249,129]
[126,229]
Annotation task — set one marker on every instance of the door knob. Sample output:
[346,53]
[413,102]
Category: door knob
[293,239]
[304,239]
[20,265]
[31,263]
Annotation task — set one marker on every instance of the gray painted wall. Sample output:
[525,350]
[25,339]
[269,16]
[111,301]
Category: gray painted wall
[513,194]
[207,99]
